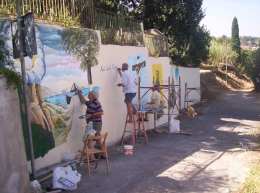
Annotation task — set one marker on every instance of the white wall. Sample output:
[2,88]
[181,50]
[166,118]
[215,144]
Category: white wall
[191,76]
[111,97]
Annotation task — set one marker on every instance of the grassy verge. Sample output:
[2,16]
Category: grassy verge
[252,184]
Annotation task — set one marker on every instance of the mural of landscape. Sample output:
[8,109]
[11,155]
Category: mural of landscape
[51,75]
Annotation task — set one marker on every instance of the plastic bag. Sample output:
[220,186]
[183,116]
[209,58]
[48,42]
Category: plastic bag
[65,178]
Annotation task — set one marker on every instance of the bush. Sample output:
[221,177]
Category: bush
[221,52]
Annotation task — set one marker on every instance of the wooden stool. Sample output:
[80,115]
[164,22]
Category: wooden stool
[88,152]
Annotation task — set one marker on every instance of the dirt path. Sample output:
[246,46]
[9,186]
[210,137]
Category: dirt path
[216,158]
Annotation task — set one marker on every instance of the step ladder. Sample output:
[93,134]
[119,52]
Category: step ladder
[136,127]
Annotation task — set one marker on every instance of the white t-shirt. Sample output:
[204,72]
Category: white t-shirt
[129,82]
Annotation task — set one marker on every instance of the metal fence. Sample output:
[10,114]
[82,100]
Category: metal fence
[82,12]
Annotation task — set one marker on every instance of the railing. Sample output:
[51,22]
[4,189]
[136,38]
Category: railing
[72,11]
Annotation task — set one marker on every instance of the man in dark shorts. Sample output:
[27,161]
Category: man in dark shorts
[129,84]
[94,110]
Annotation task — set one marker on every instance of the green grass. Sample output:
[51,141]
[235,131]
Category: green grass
[252,184]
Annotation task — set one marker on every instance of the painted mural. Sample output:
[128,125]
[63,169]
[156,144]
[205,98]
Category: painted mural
[64,56]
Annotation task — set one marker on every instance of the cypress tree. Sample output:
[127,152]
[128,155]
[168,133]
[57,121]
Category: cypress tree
[235,41]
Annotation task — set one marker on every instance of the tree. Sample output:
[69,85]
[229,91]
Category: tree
[198,49]
[235,41]
[256,75]
[179,20]
[221,52]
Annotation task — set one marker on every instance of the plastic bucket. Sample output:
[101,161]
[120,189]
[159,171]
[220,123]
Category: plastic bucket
[128,149]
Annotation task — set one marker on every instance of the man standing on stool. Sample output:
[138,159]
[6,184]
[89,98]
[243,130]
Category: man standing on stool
[129,84]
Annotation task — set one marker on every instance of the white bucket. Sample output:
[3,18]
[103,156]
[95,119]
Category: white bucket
[174,125]
[128,149]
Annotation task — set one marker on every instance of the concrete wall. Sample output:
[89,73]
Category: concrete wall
[52,73]
[111,97]
[14,173]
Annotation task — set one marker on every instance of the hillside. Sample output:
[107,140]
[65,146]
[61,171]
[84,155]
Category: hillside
[214,80]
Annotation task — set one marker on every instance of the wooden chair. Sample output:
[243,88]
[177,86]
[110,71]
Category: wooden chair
[88,152]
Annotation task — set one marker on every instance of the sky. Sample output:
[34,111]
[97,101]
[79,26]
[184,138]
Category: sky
[220,13]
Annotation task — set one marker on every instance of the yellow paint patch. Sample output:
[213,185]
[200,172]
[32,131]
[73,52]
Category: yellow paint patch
[157,70]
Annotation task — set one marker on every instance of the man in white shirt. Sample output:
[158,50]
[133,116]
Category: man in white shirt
[129,84]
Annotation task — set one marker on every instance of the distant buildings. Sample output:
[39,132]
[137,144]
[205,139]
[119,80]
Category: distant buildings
[250,43]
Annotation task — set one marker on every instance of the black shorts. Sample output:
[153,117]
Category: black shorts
[129,97]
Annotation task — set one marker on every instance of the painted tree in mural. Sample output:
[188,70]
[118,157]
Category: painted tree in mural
[84,45]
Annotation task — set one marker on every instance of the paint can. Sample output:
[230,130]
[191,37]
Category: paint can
[128,149]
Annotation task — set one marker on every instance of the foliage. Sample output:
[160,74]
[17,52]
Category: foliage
[252,183]
[221,52]
[198,49]
[246,64]
[179,21]
[84,45]
[119,6]
[256,71]
[118,37]
[13,78]
[109,5]
[235,41]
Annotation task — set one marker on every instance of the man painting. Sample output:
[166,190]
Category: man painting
[129,84]
[94,111]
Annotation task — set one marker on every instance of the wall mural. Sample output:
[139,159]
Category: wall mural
[63,57]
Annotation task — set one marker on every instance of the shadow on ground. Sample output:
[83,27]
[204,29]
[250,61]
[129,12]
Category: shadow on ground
[178,163]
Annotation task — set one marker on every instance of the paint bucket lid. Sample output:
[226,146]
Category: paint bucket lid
[128,147]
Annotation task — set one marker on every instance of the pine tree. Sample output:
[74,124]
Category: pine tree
[235,41]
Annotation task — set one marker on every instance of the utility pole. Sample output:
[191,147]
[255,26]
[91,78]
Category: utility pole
[24,93]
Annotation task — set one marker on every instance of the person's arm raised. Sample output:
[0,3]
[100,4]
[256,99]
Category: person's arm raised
[81,97]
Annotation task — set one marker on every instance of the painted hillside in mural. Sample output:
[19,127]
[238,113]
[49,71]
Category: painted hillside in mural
[51,75]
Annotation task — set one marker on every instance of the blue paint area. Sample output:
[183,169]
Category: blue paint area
[175,73]
[144,73]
